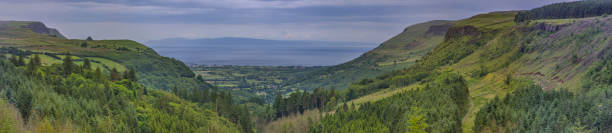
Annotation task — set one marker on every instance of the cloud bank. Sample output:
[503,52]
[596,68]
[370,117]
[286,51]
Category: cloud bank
[370,21]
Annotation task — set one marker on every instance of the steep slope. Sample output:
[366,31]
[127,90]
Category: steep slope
[36,99]
[396,53]
[61,85]
[497,56]
[155,71]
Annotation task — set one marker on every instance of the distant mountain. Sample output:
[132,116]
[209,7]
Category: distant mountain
[248,51]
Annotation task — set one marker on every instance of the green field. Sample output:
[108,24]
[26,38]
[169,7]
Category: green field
[257,81]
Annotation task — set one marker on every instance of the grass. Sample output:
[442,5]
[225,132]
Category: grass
[500,55]
[397,53]
[490,21]
[550,60]
[47,60]
[105,64]
[563,21]
[108,63]
[379,95]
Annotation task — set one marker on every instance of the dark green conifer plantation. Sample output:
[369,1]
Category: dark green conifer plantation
[67,64]
[57,101]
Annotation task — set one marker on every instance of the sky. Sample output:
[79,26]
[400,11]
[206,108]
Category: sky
[369,21]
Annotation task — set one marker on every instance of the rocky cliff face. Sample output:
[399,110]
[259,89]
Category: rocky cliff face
[40,28]
[438,29]
[456,32]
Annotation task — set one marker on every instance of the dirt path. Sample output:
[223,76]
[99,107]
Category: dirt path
[468,111]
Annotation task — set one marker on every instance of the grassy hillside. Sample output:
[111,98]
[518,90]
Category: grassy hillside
[396,53]
[496,56]
[155,71]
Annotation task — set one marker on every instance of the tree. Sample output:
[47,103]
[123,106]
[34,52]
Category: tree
[21,61]
[175,90]
[125,74]
[14,60]
[508,79]
[37,61]
[199,78]
[277,104]
[98,74]
[68,64]
[84,44]
[24,102]
[86,64]
[132,75]
[31,67]
[114,75]
[89,38]
[417,121]
[332,92]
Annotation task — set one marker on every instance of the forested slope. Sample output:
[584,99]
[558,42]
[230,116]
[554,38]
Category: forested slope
[61,85]
[577,9]
[37,98]
[521,77]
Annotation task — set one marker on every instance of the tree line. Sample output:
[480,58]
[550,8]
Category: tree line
[298,101]
[578,9]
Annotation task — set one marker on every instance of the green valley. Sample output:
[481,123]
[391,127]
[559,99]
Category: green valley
[546,69]
[397,53]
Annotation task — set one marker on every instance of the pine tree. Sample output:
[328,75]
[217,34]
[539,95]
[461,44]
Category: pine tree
[417,121]
[31,67]
[37,61]
[114,75]
[508,79]
[132,75]
[14,60]
[67,64]
[175,90]
[219,103]
[98,74]
[277,104]
[21,61]
[89,38]
[86,64]
[126,74]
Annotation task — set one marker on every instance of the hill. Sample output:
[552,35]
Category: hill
[155,71]
[396,53]
[53,84]
[250,52]
[521,76]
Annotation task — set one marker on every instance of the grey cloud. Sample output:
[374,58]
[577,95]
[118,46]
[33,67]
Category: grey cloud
[341,20]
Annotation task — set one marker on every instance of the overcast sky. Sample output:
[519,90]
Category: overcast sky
[370,21]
